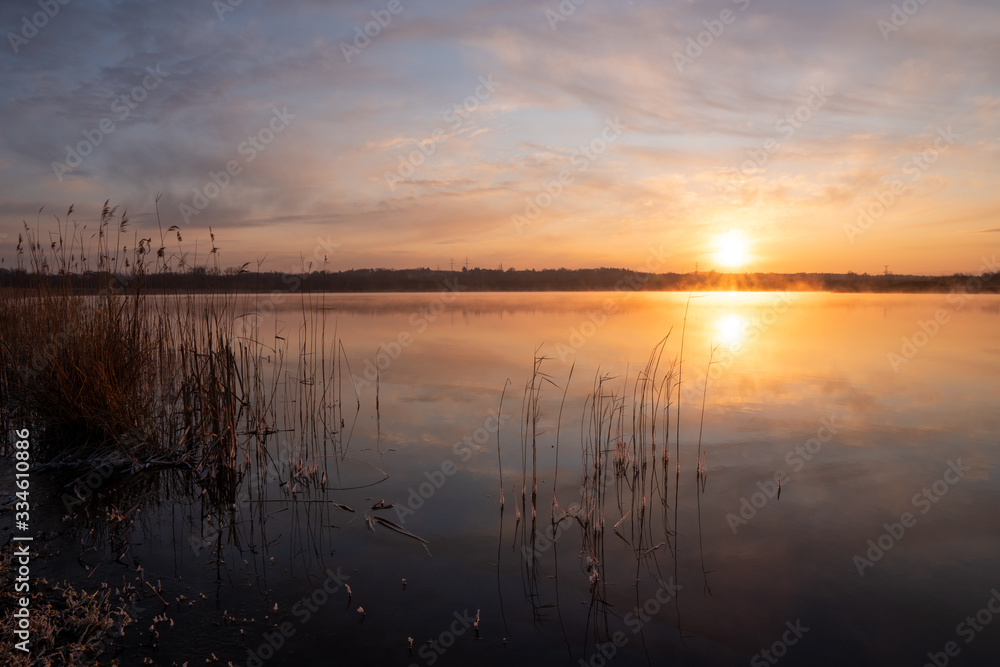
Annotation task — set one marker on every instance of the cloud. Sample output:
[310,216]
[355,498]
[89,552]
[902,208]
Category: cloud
[688,129]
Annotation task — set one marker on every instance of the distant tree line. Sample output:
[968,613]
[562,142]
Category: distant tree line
[510,280]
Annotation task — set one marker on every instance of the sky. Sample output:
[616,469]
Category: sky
[737,135]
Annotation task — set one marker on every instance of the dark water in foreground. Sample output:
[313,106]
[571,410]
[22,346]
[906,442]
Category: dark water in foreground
[877,412]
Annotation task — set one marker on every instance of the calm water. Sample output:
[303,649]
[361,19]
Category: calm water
[873,438]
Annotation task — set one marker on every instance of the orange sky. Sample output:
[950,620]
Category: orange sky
[827,136]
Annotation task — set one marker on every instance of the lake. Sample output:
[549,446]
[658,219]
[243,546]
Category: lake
[657,534]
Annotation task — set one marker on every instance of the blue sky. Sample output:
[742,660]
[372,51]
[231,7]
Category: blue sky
[702,151]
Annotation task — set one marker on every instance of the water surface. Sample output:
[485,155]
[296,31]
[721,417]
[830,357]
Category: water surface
[869,408]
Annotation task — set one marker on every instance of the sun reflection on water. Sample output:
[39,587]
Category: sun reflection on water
[731,329]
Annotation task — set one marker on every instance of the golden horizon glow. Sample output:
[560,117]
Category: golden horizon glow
[732,249]
[512,150]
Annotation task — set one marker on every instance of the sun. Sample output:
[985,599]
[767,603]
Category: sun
[731,249]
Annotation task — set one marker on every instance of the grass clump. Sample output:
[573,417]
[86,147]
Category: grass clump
[99,366]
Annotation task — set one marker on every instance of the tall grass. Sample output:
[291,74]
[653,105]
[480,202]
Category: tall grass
[625,442]
[81,366]
[100,367]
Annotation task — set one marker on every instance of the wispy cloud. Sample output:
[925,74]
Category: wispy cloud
[669,176]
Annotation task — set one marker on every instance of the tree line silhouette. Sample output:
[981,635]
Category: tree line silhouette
[510,280]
